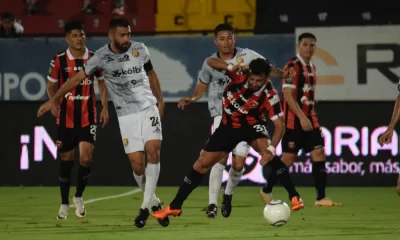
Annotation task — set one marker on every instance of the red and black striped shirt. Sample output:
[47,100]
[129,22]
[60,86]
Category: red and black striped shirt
[78,107]
[304,92]
[243,107]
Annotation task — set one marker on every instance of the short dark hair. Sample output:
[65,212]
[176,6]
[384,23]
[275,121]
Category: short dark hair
[73,25]
[259,66]
[8,15]
[118,22]
[306,35]
[223,27]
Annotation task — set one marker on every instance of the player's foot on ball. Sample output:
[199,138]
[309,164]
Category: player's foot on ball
[163,222]
[266,197]
[141,220]
[297,203]
[63,212]
[212,210]
[326,202]
[165,212]
[80,210]
[226,206]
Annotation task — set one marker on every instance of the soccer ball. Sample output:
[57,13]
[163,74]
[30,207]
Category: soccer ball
[277,213]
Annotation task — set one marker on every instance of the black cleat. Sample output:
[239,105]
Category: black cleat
[226,206]
[212,210]
[163,222]
[141,220]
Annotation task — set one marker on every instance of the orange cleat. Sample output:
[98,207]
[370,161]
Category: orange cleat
[326,202]
[297,203]
[165,212]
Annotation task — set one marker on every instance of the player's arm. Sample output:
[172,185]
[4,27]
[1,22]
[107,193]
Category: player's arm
[275,71]
[386,137]
[52,83]
[104,98]
[220,64]
[275,113]
[69,85]
[289,87]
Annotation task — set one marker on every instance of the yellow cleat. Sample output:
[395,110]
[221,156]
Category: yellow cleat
[326,202]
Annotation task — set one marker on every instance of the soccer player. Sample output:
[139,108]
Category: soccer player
[135,91]
[387,136]
[217,80]
[76,115]
[244,100]
[302,127]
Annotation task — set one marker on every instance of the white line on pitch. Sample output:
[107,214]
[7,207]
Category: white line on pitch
[111,197]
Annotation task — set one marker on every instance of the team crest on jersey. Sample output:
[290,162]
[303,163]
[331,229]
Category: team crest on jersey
[58,144]
[125,141]
[239,60]
[254,104]
[291,145]
[135,53]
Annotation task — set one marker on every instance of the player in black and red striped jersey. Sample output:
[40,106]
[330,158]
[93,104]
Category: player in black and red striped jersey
[76,115]
[245,99]
[303,130]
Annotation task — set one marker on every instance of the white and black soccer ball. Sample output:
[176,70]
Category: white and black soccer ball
[277,213]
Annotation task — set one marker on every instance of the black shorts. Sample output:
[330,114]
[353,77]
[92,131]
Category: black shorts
[226,138]
[297,139]
[69,138]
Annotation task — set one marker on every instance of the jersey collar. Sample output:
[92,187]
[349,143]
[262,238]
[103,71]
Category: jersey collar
[302,60]
[259,91]
[86,55]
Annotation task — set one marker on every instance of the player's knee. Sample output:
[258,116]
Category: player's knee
[318,155]
[85,162]
[238,162]
[153,156]
[288,159]
[398,189]
[138,168]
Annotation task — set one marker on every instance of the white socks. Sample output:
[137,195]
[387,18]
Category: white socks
[233,180]
[148,184]
[216,175]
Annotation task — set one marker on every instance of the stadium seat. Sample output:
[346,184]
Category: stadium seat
[14,6]
[235,6]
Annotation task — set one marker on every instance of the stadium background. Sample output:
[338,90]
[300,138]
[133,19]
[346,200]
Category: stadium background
[358,62]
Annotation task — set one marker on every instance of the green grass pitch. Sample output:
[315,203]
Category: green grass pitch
[368,213]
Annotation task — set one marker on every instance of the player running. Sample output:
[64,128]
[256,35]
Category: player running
[76,115]
[302,127]
[387,136]
[135,91]
[217,80]
[244,100]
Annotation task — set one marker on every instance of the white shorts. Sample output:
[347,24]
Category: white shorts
[138,128]
[242,149]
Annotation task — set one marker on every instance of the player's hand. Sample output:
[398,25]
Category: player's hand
[239,68]
[184,101]
[55,110]
[266,157]
[386,137]
[45,107]
[104,117]
[306,124]
[289,73]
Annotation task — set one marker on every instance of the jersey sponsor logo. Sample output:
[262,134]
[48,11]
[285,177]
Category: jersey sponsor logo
[308,88]
[86,82]
[124,72]
[130,85]
[125,58]
[71,97]
[274,100]
[236,105]
[304,100]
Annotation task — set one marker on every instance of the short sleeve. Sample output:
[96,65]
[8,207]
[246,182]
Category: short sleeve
[273,105]
[291,82]
[54,70]
[92,65]
[205,73]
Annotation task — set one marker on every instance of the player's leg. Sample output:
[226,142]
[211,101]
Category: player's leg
[315,145]
[152,137]
[278,171]
[65,145]
[398,185]
[87,138]
[239,155]
[215,181]
[218,146]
